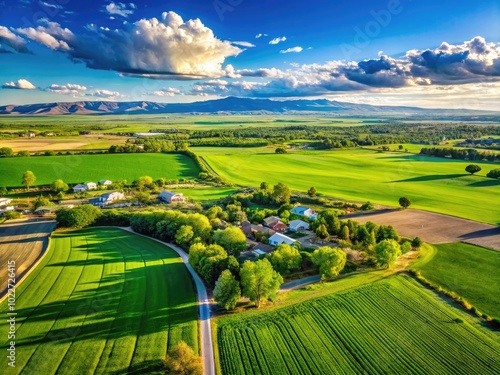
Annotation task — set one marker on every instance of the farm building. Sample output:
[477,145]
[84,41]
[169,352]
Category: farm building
[278,239]
[80,188]
[171,197]
[91,185]
[105,182]
[106,199]
[304,211]
[298,225]
[5,201]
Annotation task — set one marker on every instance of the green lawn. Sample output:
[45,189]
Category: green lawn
[470,271]
[353,332]
[102,301]
[82,168]
[206,194]
[433,184]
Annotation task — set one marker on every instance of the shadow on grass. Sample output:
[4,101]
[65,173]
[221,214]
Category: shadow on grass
[147,367]
[487,183]
[433,177]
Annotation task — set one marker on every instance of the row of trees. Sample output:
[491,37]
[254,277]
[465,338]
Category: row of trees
[462,154]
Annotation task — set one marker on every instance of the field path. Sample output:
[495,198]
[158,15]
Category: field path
[432,227]
[23,241]
[207,349]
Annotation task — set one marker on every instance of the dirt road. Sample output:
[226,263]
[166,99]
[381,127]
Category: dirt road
[434,228]
[23,241]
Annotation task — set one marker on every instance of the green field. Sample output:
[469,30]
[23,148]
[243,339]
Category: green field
[470,271]
[353,332]
[206,194]
[102,301]
[433,184]
[82,168]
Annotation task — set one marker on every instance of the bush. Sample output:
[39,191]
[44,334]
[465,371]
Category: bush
[494,173]
[12,215]
[78,217]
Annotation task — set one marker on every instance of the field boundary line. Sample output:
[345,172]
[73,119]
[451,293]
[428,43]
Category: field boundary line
[32,267]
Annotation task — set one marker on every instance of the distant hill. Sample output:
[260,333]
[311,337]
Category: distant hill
[230,105]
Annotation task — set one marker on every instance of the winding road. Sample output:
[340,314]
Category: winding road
[207,349]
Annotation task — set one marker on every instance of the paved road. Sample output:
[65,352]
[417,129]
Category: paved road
[297,284]
[207,349]
[23,241]
[434,228]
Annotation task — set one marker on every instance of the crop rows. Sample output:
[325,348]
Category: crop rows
[392,326]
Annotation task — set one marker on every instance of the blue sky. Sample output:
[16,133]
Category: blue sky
[392,52]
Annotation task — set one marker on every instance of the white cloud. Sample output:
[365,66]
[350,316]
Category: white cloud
[260,35]
[105,94]
[21,84]
[277,40]
[67,89]
[120,9]
[52,35]
[170,91]
[50,5]
[12,40]
[243,44]
[292,50]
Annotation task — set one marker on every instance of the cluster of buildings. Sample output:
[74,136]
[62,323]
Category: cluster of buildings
[81,188]
[5,205]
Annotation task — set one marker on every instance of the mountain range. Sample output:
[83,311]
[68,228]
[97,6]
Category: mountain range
[230,105]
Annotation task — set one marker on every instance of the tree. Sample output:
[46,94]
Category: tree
[331,261]
[280,150]
[142,197]
[264,186]
[472,168]
[404,202]
[281,194]
[417,242]
[12,215]
[41,201]
[29,179]
[23,153]
[232,239]
[346,235]
[3,190]
[386,252]
[259,280]
[145,182]
[59,186]
[285,258]
[227,290]
[6,152]
[184,235]
[494,173]
[387,232]
[312,191]
[60,196]
[183,361]
[322,232]
[78,217]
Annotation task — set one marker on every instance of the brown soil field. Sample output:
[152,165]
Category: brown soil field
[432,227]
[24,242]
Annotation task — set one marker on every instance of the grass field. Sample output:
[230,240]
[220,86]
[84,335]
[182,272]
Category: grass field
[82,142]
[206,194]
[82,168]
[102,301]
[470,271]
[433,184]
[352,332]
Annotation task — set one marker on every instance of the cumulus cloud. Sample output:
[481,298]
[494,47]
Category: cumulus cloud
[105,94]
[21,84]
[120,9]
[170,91]
[11,40]
[152,48]
[243,44]
[67,89]
[292,50]
[277,40]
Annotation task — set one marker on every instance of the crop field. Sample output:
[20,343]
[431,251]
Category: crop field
[470,271]
[101,301]
[352,332]
[433,184]
[82,168]
[206,194]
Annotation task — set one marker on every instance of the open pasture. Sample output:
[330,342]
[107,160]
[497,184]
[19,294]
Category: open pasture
[433,184]
[82,168]
[103,301]
[351,332]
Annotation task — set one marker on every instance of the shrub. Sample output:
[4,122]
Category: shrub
[494,173]
[11,215]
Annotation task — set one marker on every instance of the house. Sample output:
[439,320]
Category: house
[91,185]
[171,197]
[5,201]
[80,188]
[106,199]
[278,226]
[304,211]
[263,248]
[298,225]
[270,220]
[250,229]
[105,182]
[278,239]
[46,210]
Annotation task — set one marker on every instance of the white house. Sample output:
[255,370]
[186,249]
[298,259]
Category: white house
[298,225]
[278,239]
[171,197]
[91,185]
[80,188]
[5,201]
[106,199]
[304,211]
[105,182]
